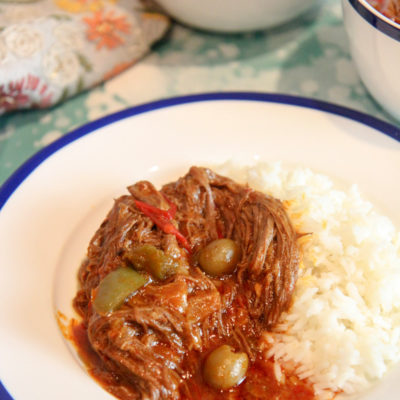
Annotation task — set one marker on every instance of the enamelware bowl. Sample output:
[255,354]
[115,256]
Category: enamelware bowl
[375,48]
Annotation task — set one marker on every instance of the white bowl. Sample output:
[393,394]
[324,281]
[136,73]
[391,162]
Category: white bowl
[375,48]
[235,15]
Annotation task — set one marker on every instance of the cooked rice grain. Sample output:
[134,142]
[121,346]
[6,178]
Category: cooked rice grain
[343,329]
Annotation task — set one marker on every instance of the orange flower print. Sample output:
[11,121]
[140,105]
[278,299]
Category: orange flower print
[117,69]
[105,29]
[79,6]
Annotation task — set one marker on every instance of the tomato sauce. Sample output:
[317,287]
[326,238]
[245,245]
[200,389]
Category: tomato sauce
[260,383]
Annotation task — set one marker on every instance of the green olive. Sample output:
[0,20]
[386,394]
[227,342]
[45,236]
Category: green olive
[116,287]
[224,368]
[155,261]
[219,257]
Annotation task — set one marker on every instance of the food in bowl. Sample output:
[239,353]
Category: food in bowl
[389,8]
[189,292]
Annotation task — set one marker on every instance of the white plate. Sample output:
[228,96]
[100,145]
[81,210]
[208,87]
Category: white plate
[53,204]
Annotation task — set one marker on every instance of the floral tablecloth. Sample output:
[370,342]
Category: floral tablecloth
[308,57]
[51,50]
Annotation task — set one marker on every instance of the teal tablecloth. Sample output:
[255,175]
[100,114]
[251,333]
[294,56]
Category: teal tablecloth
[308,57]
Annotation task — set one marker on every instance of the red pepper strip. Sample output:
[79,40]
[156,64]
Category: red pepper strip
[162,218]
[219,233]
[153,212]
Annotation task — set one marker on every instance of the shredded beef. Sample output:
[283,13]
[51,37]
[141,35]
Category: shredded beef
[154,344]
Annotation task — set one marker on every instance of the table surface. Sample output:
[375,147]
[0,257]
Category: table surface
[308,57]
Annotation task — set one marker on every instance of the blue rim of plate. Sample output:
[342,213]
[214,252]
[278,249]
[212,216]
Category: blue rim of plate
[32,163]
[376,19]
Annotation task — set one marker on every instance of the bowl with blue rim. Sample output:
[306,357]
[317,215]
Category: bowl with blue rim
[373,30]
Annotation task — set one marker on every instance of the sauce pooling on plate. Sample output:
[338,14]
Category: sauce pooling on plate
[178,287]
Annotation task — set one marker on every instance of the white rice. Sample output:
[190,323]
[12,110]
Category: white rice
[343,330]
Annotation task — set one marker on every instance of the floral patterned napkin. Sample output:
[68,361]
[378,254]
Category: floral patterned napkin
[53,49]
